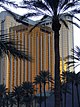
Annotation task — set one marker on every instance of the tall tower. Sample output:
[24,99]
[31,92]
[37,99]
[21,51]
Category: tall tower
[66,45]
[39,44]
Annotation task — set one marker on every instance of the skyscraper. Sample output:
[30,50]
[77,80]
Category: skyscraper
[39,44]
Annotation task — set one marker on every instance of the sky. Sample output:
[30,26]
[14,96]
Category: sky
[77,40]
[76,36]
[75,29]
[77,43]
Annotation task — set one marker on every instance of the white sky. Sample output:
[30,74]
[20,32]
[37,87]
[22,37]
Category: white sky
[76,36]
[77,40]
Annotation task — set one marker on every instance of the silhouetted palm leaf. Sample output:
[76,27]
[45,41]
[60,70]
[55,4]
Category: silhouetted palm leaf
[9,47]
[28,87]
[75,57]
[28,93]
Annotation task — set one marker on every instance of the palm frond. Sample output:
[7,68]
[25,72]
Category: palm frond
[18,53]
[75,11]
[74,23]
[72,57]
[70,62]
[44,17]
[63,3]
[49,3]
[55,4]
[76,52]
[30,15]
[41,21]
[28,2]
[38,6]
[77,65]
[34,26]
[71,15]
[9,46]
[64,22]
[11,3]
[75,58]
[16,17]
[71,5]
[41,5]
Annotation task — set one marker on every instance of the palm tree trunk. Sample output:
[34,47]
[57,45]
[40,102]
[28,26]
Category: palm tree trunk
[57,70]
[65,99]
[11,105]
[44,96]
[65,95]
[18,102]
[78,95]
[26,104]
[56,27]
[7,102]
[3,103]
[40,95]
[61,100]
[72,94]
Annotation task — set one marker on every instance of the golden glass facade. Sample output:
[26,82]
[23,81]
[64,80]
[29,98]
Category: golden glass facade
[39,44]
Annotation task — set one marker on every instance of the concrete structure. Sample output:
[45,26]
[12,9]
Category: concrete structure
[39,44]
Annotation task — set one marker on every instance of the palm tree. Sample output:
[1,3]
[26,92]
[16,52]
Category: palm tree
[75,56]
[77,83]
[12,100]
[64,86]
[28,93]
[8,45]
[74,79]
[71,78]
[45,78]
[27,100]
[17,93]
[2,94]
[64,91]
[56,11]
[37,80]
[75,63]
[7,97]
